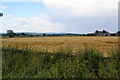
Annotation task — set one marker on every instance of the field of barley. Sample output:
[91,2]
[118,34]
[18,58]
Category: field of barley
[53,44]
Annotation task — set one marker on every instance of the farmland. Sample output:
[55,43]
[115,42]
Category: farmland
[52,44]
[60,57]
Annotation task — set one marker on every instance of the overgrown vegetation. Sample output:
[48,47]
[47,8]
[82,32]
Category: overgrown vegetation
[89,63]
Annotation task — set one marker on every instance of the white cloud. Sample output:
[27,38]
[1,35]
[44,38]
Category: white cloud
[43,23]
[30,24]
[81,7]
[84,16]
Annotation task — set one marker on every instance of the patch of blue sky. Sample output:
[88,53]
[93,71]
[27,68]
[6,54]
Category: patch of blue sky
[23,9]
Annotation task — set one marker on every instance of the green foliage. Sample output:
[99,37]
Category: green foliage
[89,63]
[11,33]
[107,68]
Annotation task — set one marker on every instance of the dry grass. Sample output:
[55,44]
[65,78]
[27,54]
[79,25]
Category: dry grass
[104,44]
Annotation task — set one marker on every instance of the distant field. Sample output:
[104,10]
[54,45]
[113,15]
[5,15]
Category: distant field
[52,44]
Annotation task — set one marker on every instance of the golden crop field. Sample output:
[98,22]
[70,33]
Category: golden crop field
[52,44]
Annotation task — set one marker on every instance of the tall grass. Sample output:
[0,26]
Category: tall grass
[87,63]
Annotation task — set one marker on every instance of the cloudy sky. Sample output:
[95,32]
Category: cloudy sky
[77,16]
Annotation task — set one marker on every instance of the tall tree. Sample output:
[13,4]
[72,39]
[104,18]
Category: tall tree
[10,33]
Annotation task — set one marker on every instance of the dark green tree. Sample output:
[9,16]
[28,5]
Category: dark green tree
[104,31]
[11,33]
[118,32]
[44,34]
[97,31]
[23,34]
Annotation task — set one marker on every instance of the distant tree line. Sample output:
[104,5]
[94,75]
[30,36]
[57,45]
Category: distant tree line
[11,34]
